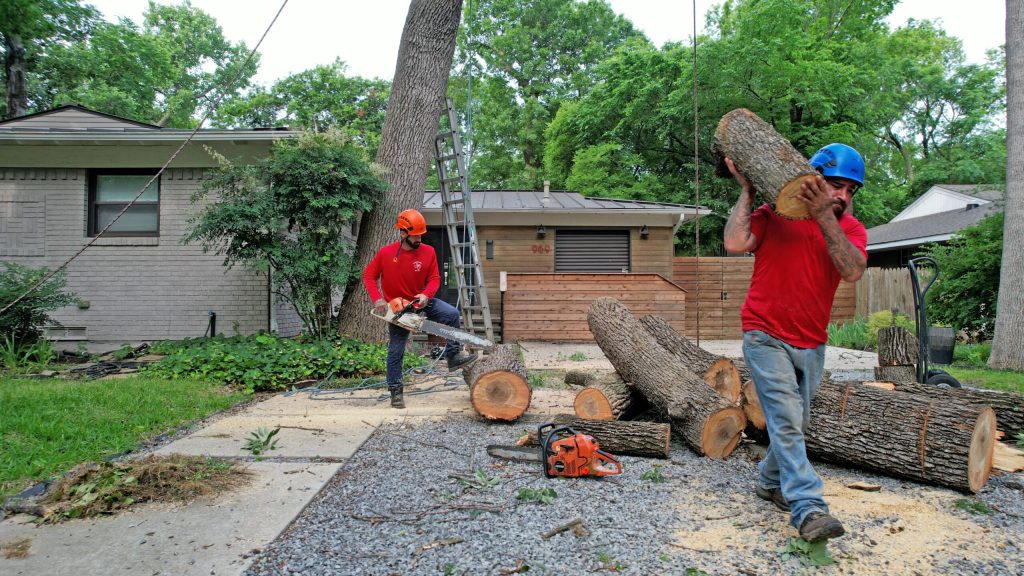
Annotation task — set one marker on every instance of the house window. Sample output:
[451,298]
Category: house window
[591,250]
[111,190]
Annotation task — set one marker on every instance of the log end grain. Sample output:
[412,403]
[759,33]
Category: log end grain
[591,404]
[752,406]
[722,432]
[980,456]
[500,395]
[788,205]
[723,376]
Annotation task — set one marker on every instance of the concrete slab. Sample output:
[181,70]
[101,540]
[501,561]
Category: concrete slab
[209,536]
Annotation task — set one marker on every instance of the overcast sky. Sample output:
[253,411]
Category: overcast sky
[366,34]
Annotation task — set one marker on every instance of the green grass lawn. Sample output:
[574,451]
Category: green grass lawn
[48,426]
[985,378]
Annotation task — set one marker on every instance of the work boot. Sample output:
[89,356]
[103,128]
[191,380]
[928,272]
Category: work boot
[396,398]
[818,526]
[460,360]
[773,495]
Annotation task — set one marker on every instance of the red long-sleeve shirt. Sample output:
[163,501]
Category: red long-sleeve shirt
[402,273]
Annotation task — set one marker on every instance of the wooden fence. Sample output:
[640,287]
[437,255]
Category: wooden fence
[885,289]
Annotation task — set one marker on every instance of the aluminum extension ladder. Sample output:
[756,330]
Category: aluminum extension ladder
[457,217]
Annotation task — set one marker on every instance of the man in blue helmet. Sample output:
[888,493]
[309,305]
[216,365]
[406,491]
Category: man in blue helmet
[797,267]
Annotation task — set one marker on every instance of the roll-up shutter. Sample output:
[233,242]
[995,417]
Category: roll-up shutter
[591,250]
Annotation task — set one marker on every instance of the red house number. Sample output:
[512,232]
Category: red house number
[541,248]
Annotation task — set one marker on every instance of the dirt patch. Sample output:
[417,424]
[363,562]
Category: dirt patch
[16,549]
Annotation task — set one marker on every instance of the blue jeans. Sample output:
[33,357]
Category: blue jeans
[436,310]
[786,379]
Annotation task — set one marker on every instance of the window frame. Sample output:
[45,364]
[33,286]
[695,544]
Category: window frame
[91,226]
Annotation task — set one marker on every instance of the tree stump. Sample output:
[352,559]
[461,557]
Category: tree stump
[498,385]
[897,347]
[710,424]
[896,373]
[607,397]
[772,165]
[718,372]
[621,438]
[1009,406]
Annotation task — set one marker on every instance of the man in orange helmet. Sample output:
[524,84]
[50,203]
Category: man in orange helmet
[408,269]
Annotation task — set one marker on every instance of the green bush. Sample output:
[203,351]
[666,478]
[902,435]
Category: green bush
[265,362]
[851,334]
[884,319]
[23,323]
[972,355]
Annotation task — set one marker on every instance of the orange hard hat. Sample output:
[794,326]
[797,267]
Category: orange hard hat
[412,222]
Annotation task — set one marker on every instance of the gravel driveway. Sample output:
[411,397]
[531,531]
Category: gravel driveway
[425,498]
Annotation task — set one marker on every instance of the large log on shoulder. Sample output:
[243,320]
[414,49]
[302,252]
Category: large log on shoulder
[941,442]
[772,165]
[718,372]
[710,424]
[498,386]
[621,438]
[902,373]
[607,397]
[896,347]
[1008,406]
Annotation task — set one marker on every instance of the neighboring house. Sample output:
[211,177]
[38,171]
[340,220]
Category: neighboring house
[65,173]
[936,216]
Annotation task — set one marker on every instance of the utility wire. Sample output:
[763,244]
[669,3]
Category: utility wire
[216,102]
[696,166]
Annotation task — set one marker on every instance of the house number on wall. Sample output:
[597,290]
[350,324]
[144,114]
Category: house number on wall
[541,248]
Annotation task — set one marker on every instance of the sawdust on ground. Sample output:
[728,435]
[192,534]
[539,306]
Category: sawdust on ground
[16,548]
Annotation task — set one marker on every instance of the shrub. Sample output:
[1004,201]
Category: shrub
[852,334]
[23,323]
[884,319]
[265,362]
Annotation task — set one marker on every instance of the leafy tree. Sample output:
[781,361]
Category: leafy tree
[965,294]
[292,212]
[23,323]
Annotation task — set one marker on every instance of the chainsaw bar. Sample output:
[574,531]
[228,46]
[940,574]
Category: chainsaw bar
[445,331]
[516,453]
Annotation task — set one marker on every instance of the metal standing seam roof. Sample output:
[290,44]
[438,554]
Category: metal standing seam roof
[557,200]
[942,223]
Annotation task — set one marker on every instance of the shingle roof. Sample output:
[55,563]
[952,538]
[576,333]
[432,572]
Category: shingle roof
[942,223]
[557,200]
[981,191]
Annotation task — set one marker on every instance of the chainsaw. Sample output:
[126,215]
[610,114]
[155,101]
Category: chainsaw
[563,452]
[404,314]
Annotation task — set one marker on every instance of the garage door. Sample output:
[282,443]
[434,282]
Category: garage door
[591,250]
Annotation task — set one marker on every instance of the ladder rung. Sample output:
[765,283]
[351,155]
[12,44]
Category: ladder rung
[452,179]
[448,157]
[462,244]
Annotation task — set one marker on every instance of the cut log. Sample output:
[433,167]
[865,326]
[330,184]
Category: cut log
[752,406]
[498,386]
[1009,406]
[896,347]
[772,165]
[936,441]
[709,423]
[718,372]
[607,397]
[901,373]
[1007,458]
[621,438]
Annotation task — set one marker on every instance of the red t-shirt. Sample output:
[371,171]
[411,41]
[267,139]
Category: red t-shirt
[402,273]
[794,278]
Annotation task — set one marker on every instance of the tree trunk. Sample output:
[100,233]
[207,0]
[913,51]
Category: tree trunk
[718,372]
[947,443]
[772,165]
[498,386]
[903,373]
[710,424]
[896,347]
[607,397]
[1009,406]
[406,143]
[14,66]
[621,438]
[1008,341]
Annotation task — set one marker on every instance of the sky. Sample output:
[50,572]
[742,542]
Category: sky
[365,35]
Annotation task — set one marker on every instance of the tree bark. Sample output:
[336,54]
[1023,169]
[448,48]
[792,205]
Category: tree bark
[1009,406]
[903,373]
[498,386]
[896,347]
[772,165]
[718,372]
[621,438]
[607,397]
[1008,341]
[940,442]
[406,143]
[14,66]
[710,424]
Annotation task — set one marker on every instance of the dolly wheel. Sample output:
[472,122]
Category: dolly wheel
[942,379]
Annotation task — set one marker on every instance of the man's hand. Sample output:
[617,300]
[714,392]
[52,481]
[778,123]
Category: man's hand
[421,300]
[816,194]
[380,306]
[748,188]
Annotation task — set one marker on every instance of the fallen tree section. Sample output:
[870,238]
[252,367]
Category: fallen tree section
[607,397]
[1008,406]
[718,372]
[498,385]
[942,442]
[621,438]
[709,423]
[900,373]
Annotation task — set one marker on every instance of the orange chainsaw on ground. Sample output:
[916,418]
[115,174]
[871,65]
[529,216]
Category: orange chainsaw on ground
[563,452]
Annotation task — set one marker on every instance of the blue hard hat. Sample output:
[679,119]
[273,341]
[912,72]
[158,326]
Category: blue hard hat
[839,161]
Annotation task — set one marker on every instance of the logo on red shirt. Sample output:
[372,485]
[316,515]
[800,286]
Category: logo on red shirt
[417,265]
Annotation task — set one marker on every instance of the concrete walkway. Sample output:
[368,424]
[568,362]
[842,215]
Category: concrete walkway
[319,432]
